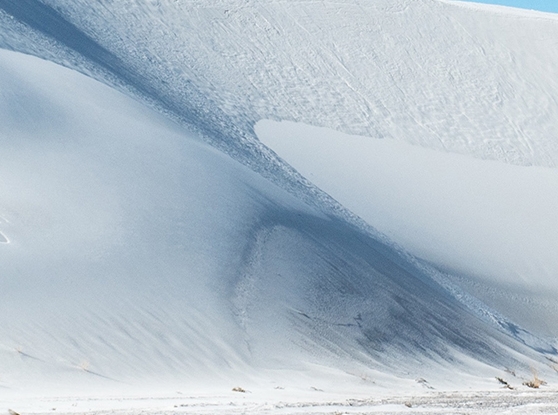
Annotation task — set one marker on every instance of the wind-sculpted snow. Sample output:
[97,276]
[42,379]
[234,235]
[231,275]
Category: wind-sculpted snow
[139,256]
[135,254]
[473,80]
[36,28]
[467,79]
[494,225]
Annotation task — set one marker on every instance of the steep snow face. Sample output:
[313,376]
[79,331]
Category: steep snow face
[463,78]
[112,242]
[492,226]
[133,254]
[451,76]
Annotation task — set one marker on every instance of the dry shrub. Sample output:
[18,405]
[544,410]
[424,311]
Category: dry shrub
[536,382]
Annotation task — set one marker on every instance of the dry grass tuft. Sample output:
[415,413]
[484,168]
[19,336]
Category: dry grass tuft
[536,382]
[84,365]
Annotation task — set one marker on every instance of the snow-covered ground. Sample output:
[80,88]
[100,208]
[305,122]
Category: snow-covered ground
[137,258]
[289,402]
[155,254]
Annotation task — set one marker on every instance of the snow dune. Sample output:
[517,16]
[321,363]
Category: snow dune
[143,259]
[459,77]
[140,256]
[492,226]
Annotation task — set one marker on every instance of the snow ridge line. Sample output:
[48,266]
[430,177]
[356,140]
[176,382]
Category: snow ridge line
[234,137]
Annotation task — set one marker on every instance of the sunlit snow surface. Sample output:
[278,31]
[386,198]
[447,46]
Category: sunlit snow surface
[462,77]
[138,260]
[139,256]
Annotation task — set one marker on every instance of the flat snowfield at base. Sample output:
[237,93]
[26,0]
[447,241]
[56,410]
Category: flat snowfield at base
[501,402]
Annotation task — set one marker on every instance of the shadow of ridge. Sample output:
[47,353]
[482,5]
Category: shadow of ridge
[401,310]
[537,342]
[50,22]
[529,339]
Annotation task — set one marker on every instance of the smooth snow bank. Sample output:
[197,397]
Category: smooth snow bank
[126,236]
[467,79]
[108,211]
[494,224]
[141,260]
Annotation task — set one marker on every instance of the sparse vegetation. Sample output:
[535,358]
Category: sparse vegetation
[534,383]
[505,383]
[84,365]
[553,363]
[239,389]
[511,372]
[424,383]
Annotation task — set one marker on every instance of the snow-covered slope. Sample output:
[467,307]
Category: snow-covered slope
[135,255]
[464,78]
[492,226]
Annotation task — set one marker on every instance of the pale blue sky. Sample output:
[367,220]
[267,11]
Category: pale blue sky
[544,5]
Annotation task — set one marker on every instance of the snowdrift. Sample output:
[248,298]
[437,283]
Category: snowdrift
[134,255]
[491,226]
[454,76]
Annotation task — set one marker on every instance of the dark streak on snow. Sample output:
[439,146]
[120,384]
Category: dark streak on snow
[360,288]
[45,19]
[50,22]
[101,376]
[28,356]
[232,135]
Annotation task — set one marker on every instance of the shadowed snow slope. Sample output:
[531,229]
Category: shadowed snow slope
[472,79]
[492,225]
[134,254]
[138,256]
